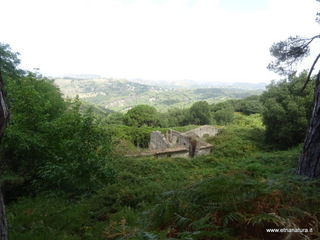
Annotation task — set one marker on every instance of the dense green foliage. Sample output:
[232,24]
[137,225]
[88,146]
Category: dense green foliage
[126,139]
[140,115]
[248,105]
[112,118]
[200,113]
[173,117]
[49,144]
[222,113]
[287,110]
[235,193]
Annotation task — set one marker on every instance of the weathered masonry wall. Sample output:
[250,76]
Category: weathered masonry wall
[173,153]
[204,131]
[158,141]
[176,144]
[178,139]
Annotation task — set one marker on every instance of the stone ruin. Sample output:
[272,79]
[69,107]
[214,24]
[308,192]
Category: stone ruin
[177,144]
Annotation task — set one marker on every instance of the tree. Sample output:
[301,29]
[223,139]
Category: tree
[4,117]
[222,113]
[8,67]
[80,149]
[112,118]
[199,113]
[286,111]
[34,103]
[50,144]
[174,117]
[251,105]
[287,53]
[141,115]
[9,61]
[309,161]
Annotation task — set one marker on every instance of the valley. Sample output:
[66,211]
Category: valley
[121,94]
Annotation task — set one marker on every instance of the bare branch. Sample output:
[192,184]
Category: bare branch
[310,72]
[313,38]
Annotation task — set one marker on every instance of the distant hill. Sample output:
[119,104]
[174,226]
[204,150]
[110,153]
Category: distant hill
[194,84]
[121,95]
[79,76]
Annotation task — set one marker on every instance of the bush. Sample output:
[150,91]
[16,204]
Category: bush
[141,115]
[286,111]
[222,113]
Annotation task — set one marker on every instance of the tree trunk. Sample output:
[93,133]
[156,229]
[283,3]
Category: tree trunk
[4,117]
[3,221]
[309,161]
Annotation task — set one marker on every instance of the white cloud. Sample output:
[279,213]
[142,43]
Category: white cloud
[152,39]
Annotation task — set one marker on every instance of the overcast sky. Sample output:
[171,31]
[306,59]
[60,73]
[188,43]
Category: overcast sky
[203,40]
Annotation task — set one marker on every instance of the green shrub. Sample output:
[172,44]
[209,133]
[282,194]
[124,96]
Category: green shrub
[286,111]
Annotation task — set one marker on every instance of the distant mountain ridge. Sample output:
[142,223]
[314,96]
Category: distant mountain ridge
[121,94]
[195,84]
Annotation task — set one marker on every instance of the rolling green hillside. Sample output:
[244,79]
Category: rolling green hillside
[121,95]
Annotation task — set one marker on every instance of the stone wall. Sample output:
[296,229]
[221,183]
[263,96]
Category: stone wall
[172,136]
[158,141]
[203,131]
[173,153]
[191,141]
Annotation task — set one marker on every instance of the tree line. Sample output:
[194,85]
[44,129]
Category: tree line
[200,113]
[284,109]
[51,144]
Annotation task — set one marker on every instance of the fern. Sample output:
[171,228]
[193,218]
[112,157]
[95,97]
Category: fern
[147,236]
[201,223]
[291,211]
[262,219]
[182,222]
[209,233]
[231,218]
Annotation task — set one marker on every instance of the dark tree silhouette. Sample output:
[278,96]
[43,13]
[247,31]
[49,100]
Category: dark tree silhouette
[4,117]
[310,154]
[287,53]
[8,67]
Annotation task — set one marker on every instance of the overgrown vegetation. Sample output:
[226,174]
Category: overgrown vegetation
[49,144]
[237,192]
[65,176]
[287,110]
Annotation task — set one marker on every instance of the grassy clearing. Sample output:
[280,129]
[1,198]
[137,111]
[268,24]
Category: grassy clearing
[237,192]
